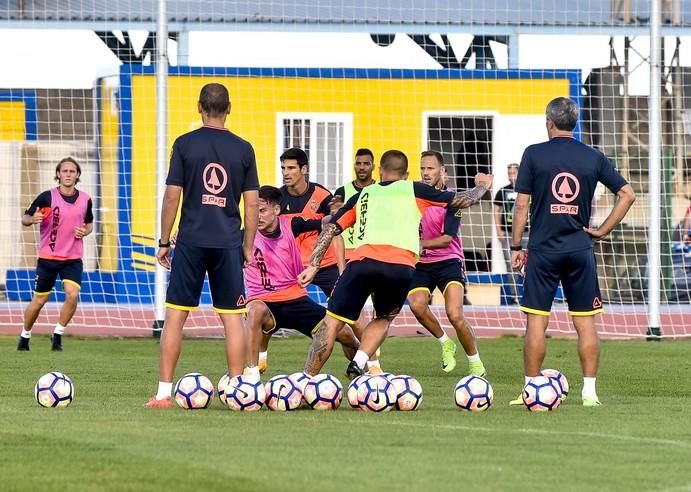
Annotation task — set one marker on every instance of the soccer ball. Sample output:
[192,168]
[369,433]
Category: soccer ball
[221,387]
[193,391]
[300,379]
[541,394]
[353,389]
[54,389]
[474,394]
[245,394]
[408,391]
[323,392]
[560,379]
[377,394]
[282,394]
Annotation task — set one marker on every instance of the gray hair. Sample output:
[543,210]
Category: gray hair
[563,112]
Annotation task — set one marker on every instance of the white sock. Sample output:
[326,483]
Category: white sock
[59,329]
[589,388]
[252,372]
[526,379]
[263,356]
[474,358]
[373,363]
[361,359]
[25,334]
[164,390]
[443,338]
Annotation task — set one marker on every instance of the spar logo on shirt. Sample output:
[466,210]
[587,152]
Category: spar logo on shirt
[215,179]
[565,188]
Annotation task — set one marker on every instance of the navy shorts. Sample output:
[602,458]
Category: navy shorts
[326,279]
[578,274]
[226,282]
[47,272]
[441,274]
[387,283]
[302,314]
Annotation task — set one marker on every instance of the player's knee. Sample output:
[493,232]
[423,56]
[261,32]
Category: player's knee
[257,310]
[418,304]
[455,317]
[41,300]
[71,296]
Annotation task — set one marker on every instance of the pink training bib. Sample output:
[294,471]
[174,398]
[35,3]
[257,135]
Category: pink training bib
[432,226]
[57,229]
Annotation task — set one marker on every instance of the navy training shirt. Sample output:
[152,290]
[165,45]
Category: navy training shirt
[214,167]
[560,175]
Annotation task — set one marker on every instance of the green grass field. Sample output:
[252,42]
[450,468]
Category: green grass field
[106,440]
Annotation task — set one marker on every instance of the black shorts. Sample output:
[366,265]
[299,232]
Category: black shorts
[441,274]
[326,279]
[226,282]
[578,275]
[387,283]
[47,272]
[302,314]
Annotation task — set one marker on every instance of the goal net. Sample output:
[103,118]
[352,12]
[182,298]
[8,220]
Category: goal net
[468,79]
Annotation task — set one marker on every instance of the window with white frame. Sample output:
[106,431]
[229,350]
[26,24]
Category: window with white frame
[327,138]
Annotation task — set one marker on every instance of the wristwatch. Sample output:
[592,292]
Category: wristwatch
[516,248]
[163,245]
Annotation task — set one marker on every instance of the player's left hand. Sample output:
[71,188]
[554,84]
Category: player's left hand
[518,260]
[247,255]
[595,234]
[80,232]
[335,204]
[306,276]
[163,257]
[484,180]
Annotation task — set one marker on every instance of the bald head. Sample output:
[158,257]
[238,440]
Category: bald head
[394,163]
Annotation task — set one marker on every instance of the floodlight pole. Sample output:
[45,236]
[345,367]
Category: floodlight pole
[654,174]
[160,276]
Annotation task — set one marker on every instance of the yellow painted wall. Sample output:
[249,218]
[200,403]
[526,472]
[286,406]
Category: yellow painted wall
[108,260]
[387,114]
[12,121]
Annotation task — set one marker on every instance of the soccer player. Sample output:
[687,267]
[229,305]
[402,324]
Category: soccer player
[441,265]
[363,167]
[275,298]
[211,167]
[309,200]
[387,216]
[66,218]
[557,181]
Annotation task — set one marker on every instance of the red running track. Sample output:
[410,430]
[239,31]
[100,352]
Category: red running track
[108,320]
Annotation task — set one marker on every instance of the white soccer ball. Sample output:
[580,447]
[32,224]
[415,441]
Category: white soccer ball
[300,379]
[377,394]
[193,391]
[353,389]
[473,394]
[245,394]
[54,389]
[559,378]
[221,387]
[408,392]
[541,394]
[323,392]
[282,394]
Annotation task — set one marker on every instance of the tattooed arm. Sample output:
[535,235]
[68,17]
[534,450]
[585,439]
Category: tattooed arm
[327,234]
[465,199]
